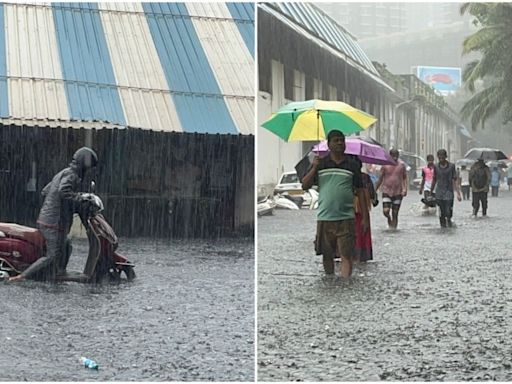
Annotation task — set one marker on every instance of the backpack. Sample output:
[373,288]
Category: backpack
[479,178]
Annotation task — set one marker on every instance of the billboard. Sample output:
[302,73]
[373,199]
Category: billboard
[444,80]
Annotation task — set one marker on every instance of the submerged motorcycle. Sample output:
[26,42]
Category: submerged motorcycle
[20,246]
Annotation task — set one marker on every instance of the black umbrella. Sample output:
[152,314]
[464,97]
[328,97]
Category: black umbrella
[303,165]
[486,154]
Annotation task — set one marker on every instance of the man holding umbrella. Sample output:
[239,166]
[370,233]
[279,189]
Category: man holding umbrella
[337,177]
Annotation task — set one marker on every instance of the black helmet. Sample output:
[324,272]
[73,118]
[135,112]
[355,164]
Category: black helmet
[85,158]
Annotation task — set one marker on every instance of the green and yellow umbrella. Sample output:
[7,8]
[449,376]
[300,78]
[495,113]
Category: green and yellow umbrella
[314,119]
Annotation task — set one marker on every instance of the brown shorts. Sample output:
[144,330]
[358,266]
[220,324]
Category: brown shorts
[332,236]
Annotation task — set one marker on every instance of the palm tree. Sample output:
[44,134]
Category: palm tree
[494,42]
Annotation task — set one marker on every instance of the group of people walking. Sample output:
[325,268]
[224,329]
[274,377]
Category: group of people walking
[347,194]
[477,181]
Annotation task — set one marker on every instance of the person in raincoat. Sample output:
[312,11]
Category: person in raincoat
[61,200]
[338,178]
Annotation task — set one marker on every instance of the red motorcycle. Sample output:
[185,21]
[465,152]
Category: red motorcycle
[21,246]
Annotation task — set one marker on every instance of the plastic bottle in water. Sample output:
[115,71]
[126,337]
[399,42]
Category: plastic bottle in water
[88,363]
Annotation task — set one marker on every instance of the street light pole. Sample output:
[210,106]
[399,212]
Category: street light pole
[394,121]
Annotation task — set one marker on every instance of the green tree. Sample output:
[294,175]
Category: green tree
[490,77]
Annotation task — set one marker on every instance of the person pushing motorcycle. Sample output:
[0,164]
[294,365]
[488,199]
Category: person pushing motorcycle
[61,200]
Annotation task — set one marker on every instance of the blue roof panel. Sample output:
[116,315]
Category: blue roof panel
[243,14]
[199,101]
[87,70]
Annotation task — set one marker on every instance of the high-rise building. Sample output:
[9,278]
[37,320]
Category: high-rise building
[365,20]
[428,15]
[368,19]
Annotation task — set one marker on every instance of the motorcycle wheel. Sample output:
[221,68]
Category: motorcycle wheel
[129,272]
[114,275]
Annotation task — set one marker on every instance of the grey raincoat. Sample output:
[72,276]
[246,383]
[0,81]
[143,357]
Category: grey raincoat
[62,199]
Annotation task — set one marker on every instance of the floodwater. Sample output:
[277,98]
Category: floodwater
[434,305]
[189,315]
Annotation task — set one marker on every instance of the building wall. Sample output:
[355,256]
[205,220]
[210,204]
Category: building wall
[285,74]
[153,184]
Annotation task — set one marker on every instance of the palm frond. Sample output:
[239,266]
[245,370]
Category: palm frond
[483,105]
[470,74]
[464,8]
[480,40]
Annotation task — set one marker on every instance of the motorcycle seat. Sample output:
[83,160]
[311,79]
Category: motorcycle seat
[16,231]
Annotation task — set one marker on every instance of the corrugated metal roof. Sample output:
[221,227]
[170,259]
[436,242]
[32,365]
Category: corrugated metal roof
[57,123]
[86,66]
[243,14]
[35,82]
[319,25]
[4,105]
[200,103]
[164,66]
[233,68]
[144,94]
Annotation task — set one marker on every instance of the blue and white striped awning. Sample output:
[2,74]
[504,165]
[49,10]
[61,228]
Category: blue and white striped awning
[186,67]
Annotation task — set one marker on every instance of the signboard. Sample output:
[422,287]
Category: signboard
[444,80]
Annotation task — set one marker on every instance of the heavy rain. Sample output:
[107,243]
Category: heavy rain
[188,316]
[127,191]
[420,289]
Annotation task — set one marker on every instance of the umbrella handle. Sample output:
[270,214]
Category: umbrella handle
[318,125]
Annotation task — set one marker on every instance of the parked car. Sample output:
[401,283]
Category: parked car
[289,184]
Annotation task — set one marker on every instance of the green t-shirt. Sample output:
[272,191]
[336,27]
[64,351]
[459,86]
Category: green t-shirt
[336,183]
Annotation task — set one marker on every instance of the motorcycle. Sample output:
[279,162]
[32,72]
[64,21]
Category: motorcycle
[285,201]
[20,246]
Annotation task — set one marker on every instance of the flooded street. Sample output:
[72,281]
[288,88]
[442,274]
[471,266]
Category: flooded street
[189,315]
[434,305]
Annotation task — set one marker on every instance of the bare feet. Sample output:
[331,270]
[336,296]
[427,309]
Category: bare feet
[15,278]
[346,267]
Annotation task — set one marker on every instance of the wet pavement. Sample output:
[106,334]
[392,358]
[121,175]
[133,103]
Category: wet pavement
[189,315]
[434,305]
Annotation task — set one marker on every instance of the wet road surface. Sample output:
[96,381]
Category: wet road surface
[433,305]
[189,315]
